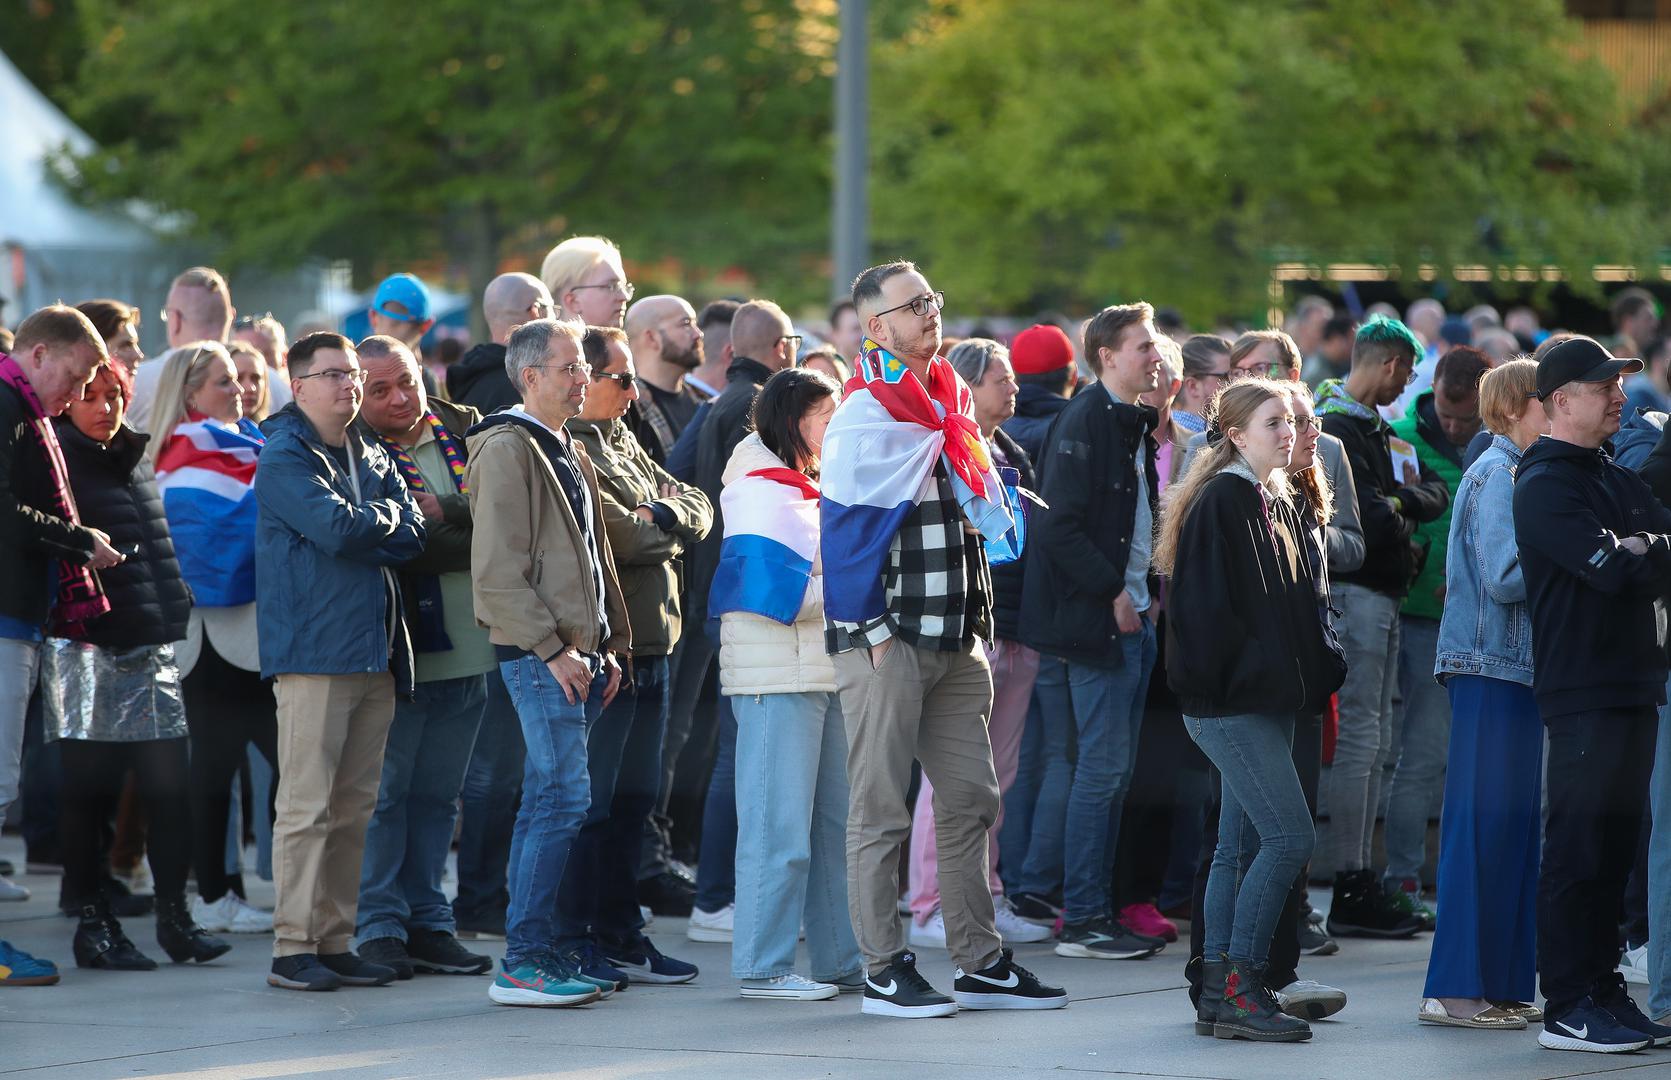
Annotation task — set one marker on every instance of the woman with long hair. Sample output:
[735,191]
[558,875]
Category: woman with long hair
[1246,652]
[791,742]
[205,451]
[254,389]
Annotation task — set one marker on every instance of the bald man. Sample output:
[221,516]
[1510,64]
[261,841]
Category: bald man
[198,308]
[479,379]
[666,344]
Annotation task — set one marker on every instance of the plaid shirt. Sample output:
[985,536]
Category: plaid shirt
[937,584]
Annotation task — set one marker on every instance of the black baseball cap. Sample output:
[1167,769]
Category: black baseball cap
[1580,359]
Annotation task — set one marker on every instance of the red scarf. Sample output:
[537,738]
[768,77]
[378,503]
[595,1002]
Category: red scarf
[80,597]
[789,478]
[897,389]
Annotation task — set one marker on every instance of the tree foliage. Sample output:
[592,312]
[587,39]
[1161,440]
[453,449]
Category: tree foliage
[1086,151]
[388,133]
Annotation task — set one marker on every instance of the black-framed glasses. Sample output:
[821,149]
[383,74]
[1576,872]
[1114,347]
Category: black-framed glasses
[920,305]
[1219,375]
[1303,424]
[543,309]
[245,322]
[625,288]
[794,343]
[625,378]
[1260,370]
[337,375]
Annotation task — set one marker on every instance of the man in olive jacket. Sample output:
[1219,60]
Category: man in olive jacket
[545,587]
[650,518]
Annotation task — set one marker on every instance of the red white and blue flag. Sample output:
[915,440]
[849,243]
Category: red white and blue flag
[206,475]
[771,541]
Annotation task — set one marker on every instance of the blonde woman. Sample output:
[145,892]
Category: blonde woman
[254,389]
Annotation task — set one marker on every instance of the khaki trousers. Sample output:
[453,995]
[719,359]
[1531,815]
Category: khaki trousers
[331,734]
[932,707]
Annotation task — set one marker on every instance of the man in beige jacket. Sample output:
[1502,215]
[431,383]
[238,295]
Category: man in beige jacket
[545,587]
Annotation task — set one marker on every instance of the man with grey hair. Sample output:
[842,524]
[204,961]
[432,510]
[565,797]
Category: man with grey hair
[199,308]
[479,378]
[545,587]
[666,345]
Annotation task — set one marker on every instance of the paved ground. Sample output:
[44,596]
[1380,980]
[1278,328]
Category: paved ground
[222,1022]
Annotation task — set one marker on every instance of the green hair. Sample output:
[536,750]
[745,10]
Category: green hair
[1381,337]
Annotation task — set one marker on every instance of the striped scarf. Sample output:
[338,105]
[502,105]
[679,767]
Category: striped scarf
[449,451]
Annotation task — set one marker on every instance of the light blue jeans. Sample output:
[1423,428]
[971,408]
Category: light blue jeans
[1265,833]
[791,837]
[1659,873]
[20,667]
[1418,784]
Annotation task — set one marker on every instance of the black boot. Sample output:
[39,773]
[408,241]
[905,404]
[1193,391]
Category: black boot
[1360,909]
[100,943]
[1212,993]
[1248,1010]
[183,939]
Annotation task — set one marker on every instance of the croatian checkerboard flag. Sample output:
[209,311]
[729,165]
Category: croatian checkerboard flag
[206,475]
[878,463]
[771,540]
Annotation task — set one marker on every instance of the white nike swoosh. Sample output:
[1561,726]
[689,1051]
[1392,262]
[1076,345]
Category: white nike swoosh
[885,991]
[1581,1032]
[1009,984]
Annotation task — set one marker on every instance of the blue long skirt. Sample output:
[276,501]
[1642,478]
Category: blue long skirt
[1486,942]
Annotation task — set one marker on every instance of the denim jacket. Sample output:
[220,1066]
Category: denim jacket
[1486,629]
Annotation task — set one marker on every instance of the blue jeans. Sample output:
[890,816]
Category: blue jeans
[1659,873]
[1040,871]
[1016,833]
[488,800]
[1265,834]
[791,837]
[555,796]
[599,895]
[1418,782]
[1107,709]
[411,830]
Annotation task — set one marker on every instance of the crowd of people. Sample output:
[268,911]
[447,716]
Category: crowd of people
[658,611]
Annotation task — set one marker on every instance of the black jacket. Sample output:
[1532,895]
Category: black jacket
[116,492]
[32,535]
[1656,469]
[1076,556]
[1007,580]
[727,424]
[1035,410]
[1597,638]
[480,380]
[1243,628]
[1391,557]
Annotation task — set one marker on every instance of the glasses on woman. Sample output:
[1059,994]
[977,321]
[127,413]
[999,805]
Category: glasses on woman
[625,288]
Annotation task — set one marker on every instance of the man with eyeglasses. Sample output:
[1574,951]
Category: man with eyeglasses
[405,922]
[650,519]
[335,518]
[1395,497]
[198,308]
[666,345]
[545,586]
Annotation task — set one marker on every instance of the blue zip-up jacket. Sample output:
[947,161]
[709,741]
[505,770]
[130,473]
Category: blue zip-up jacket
[1486,629]
[324,558]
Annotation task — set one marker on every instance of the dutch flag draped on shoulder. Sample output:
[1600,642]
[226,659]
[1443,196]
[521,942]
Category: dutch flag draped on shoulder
[878,463]
[771,539]
[206,475]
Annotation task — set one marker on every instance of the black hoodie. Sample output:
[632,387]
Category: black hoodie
[480,381]
[1597,639]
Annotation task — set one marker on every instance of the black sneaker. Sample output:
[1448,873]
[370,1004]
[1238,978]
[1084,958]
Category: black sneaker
[667,894]
[1005,985]
[1035,908]
[354,971]
[900,991]
[301,972]
[1619,1004]
[391,953]
[1361,909]
[436,952]
[1104,939]
[1314,942]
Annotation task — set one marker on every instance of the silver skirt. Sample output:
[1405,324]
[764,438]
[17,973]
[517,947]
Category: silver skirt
[110,695]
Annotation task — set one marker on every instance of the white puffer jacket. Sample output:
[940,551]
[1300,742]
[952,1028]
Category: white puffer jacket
[758,655]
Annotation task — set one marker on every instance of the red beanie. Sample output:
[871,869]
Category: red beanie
[1039,349]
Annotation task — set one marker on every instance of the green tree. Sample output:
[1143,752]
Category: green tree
[467,134]
[1086,151]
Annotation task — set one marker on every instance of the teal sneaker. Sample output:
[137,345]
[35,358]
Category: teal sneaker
[18,968]
[541,984]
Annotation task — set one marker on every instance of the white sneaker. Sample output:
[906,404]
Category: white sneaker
[930,935]
[1013,928]
[713,925]
[11,890]
[790,987]
[230,915]
[139,882]
[1634,966]
[1310,1000]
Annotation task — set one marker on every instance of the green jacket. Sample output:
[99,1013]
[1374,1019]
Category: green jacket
[1426,597]
[647,556]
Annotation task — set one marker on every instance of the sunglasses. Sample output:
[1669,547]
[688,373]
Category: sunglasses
[625,378]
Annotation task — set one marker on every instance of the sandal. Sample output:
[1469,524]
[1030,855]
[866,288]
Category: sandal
[1530,1013]
[1432,1011]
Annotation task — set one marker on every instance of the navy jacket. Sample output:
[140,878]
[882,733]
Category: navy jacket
[322,555]
[1597,637]
[1035,411]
